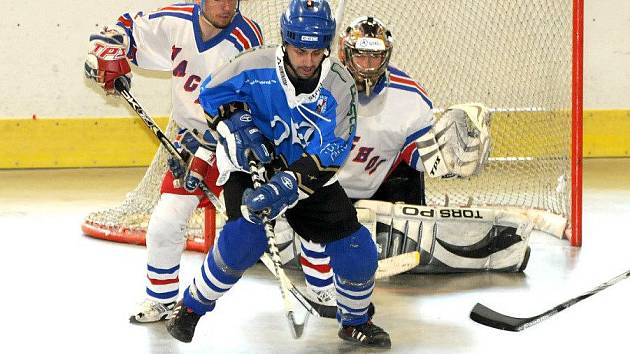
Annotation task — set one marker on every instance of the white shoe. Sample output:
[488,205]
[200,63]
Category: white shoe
[323,301]
[152,311]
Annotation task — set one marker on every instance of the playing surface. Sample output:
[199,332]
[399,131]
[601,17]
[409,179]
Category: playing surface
[67,293]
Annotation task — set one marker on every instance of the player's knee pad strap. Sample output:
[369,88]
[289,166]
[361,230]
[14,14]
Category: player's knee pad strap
[241,244]
[353,257]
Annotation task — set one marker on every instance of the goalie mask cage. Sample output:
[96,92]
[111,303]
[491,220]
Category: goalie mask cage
[523,59]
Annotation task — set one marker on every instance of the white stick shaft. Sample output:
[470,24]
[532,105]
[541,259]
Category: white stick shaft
[339,12]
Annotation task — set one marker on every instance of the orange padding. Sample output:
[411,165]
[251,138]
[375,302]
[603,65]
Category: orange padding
[136,237]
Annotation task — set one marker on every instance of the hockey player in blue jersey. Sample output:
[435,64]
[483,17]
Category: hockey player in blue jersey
[302,103]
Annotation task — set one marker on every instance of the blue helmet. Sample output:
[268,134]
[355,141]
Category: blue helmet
[308,24]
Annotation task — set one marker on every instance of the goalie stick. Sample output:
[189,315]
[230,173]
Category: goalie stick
[148,121]
[488,317]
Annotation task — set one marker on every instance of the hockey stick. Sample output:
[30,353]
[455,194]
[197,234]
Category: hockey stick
[148,121]
[397,264]
[339,14]
[488,317]
[297,329]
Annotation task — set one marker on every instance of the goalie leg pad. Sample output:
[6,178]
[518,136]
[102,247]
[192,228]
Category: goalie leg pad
[453,239]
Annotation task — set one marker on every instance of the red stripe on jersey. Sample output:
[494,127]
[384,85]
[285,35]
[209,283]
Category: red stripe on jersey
[321,268]
[406,81]
[255,29]
[245,43]
[404,156]
[188,9]
[163,281]
[126,22]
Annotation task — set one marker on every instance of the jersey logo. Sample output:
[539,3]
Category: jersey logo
[300,133]
[321,104]
[174,51]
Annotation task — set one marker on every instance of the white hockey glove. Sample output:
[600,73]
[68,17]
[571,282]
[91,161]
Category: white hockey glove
[463,136]
[106,60]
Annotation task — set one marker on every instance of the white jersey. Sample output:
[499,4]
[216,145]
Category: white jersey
[389,122]
[169,39]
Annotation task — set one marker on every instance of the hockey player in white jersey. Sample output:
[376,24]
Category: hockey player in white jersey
[303,103]
[188,40]
[397,139]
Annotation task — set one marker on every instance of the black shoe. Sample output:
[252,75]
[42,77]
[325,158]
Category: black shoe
[367,334]
[182,325]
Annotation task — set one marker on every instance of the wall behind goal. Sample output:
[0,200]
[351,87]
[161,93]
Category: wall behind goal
[45,43]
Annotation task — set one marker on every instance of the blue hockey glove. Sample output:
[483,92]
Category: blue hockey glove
[199,167]
[273,198]
[198,155]
[239,136]
[176,167]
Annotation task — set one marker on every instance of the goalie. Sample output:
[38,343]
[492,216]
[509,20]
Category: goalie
[398,139]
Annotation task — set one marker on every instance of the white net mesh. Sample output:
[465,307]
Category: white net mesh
[513,56]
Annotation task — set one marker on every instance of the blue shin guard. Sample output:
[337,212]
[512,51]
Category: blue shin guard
[354,262]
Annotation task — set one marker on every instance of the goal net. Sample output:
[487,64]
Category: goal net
[514,56]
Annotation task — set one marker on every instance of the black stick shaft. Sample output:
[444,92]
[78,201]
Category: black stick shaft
[148,121]
[488,317]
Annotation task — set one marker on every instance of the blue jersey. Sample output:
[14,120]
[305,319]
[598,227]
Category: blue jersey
[312,133]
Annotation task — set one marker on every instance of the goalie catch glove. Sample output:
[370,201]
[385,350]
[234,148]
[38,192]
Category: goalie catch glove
[106,60]
[462,135]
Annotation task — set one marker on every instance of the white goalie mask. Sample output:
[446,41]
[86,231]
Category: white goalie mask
[365,48]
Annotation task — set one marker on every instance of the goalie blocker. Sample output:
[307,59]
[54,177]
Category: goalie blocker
[449,240]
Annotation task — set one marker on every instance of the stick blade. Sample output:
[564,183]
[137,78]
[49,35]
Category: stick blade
[395,265]
[297,329]
[488,317]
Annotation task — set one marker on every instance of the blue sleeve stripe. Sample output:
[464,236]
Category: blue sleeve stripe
[236,43]
[397,71]
[416,135]
[412,89]
[126,22]
[251,31]
[415,156]
[170,14]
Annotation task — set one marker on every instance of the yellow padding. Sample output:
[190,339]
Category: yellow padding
[76,142]
[607,133]
[112,142]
